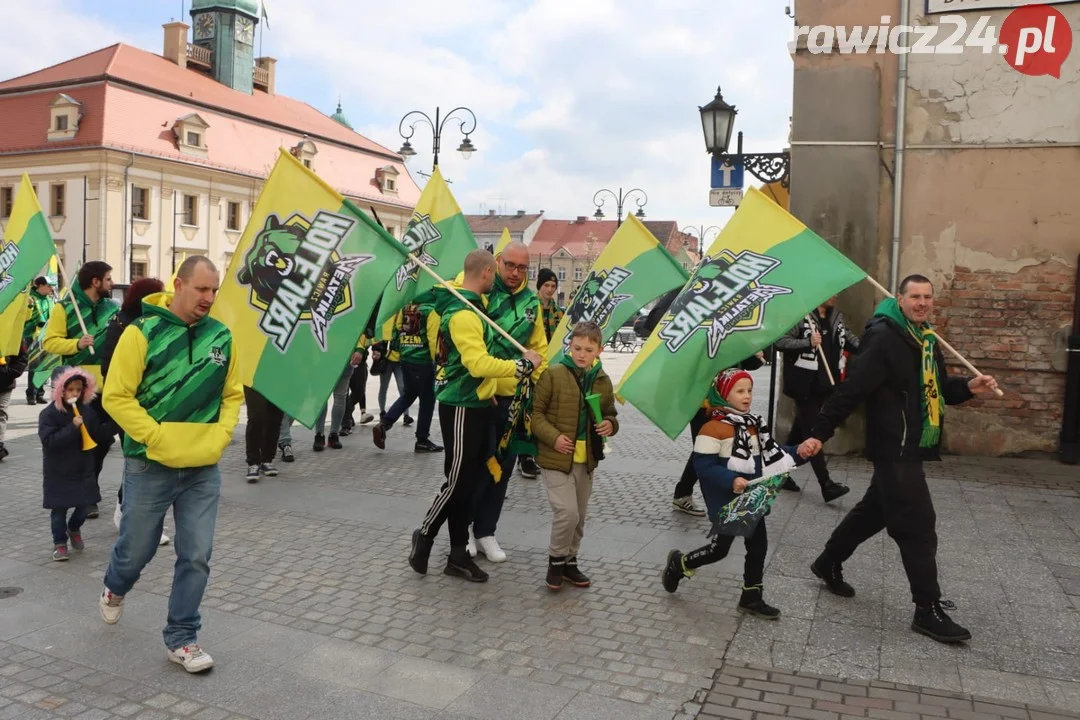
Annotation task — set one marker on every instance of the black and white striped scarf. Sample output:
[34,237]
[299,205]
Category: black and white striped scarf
[773,458]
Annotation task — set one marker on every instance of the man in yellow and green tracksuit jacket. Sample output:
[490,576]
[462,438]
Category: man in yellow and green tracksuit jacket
[516,308]
[41,303]
[64,336]
[175,390]
[466,375]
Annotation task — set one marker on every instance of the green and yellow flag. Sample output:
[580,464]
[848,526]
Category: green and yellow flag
[440,238]
[12,320]
[26,247]
[763,273]
[504,240]
[632,271]
[301,287]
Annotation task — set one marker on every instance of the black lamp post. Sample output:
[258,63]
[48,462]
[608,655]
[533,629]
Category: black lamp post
[701,233]
[717,122]
[619,200]
[466,148]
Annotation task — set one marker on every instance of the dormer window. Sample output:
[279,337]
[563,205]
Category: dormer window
[386,179]
[190,132]
[305,151]
[64,115]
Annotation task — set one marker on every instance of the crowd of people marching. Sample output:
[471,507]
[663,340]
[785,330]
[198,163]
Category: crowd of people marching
[159,374]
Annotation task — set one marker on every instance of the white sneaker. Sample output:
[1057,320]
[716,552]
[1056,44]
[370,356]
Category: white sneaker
[490,547]
[192,658]
[111,606]
[164,539]
[116,516]
[470,546]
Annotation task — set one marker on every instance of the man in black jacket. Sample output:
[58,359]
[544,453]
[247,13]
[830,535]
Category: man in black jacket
[11,367]
[807,382]
[900,373]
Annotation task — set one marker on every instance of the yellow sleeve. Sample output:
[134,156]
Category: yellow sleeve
[468,335]
[433,321]
[125,375]
[56,340]
[232,397]
[538,343]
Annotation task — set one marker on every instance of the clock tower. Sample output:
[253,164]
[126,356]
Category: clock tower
[227,29]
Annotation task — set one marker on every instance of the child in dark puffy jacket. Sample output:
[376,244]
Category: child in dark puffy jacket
[69,470]
[733,448]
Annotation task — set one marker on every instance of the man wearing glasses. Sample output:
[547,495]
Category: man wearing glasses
[516,308]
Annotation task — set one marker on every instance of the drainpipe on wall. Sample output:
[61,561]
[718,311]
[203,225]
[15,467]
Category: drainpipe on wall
[898,162]
[129,233]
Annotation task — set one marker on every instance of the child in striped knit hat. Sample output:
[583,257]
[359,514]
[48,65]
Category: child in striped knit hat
[733,447]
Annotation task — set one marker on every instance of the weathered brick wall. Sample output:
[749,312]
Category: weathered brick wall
[1004,323]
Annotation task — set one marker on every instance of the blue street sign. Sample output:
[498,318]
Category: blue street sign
[726,176]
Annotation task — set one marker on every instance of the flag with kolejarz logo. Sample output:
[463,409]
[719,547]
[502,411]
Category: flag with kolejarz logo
[440,238]
[764,272]
[25,249]
[632,271]
[301,287]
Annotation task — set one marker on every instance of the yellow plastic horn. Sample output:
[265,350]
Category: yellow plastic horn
[87,441]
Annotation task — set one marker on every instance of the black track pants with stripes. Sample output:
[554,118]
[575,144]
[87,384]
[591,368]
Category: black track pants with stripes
[465,433]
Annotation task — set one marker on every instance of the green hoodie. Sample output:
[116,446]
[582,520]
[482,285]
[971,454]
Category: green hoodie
[412,338]
[465,371]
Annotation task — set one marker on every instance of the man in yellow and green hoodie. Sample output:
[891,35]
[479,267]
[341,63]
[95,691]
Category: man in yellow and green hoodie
[175,390]
[466,375]
[516,308]
[41,302]
[64,336]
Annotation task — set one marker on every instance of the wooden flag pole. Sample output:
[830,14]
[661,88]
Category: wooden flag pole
[821,354]
[458,295]
[74,301]
[947,346]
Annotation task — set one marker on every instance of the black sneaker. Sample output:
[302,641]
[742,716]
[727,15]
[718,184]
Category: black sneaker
[574,576]
[674,571]
[791,485]
[753,602]
[426,446]
[3,451]
[41,397]
[931,621]
[335,441]
[345,430]
[832,490]
[832,574]
[252,474]
[378,435]
[421,551]
[528,467]
[555,573]
[319,444]
[463,566]
[31,399]
[268,469]
[287,453]
[407,421]
[93,513]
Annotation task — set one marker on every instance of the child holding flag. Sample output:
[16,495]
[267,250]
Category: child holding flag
[733,448]
[574,407]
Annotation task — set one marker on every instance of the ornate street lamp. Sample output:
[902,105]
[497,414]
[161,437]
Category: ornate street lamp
[619,200]
[466,148]
[701,233]
[717,122]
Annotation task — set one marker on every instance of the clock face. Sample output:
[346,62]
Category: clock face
[245,30]
[204,26]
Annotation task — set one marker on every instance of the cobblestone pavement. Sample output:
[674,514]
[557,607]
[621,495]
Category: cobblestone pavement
[312,611]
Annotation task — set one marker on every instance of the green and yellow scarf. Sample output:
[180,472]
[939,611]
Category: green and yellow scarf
[933,401]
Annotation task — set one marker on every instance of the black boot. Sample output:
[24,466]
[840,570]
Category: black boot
[575,576]
[832,574]
[40,397]
[830,490]
[319,444]
[753,602]
[459,564]
[31,398]
[556,570]
[674,571]
[421,551]
[931,620]
[791,485]
[3,451]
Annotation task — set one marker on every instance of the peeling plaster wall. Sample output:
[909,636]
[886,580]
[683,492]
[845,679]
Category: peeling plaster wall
[996,228]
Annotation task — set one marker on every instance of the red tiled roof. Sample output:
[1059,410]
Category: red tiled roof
[131,99]
[579,238]
[495,223]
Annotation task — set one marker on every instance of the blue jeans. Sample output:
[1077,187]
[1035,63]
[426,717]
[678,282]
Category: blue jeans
[489,496]
[149,490]
[419,383]
[61,525]
[392,368]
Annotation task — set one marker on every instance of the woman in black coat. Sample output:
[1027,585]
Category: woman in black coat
[69,470]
